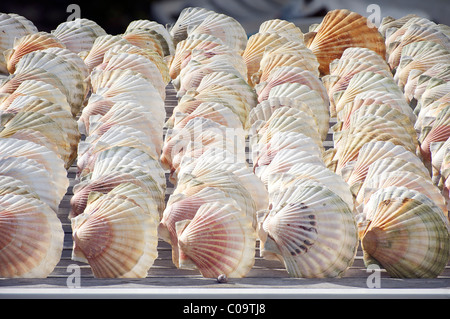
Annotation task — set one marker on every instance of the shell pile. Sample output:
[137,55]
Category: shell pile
[210,217]
[80,96]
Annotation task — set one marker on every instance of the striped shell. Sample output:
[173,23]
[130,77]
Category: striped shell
[218,240]
[311,230]
[405,232]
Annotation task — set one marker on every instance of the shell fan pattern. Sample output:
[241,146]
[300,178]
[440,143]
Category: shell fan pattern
[246,148]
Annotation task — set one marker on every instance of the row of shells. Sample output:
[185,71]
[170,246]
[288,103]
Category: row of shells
[78,93]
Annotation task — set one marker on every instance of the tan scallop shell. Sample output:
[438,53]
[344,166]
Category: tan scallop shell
[225,27]
[107,229]
[339,30]
[144,39]
[102,43]
[78,35]
[438,132]
[361,82]
[192,74]
[11,185]
[26,44]
[419,56]
[32,237]
[181,208]
[282,141]
[254,51]
[148,54]
[414,33]
[372,97]
[311,230]
[38,89]
[405,232]
[61,70]
[301,174]
[136,63]
[291,74]
[41,129]
[188,17]
[372,151]
[184,50]
[418,81]
[406,179]
[218,240]
[12,26]
[153,27]
[282,27]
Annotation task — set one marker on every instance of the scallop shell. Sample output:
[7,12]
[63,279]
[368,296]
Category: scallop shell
[301,173]
[153,27]
[62,71]
[226,28]
[406,179]
[136,63]
[102,43]
[38,89]
[290,74]
[184,50]
[254,51]
[181,208]
[192,74]
[11,147]
[404,232]
[342,71]
[283,162]
[148,54]
[365,55]
[145,40]
[339,30]
[361,82]
[372,97]
[271,61]
[32,237]
[372,151]
[389,22]
[418,81]
[34,174]
[218,240]
[29,43]
[216,112]
[287,119]
[11,185]
[218,159]
[439,132]
[12,26]
[219,94]
[351,143]
[78,35]
[123,156]
[107,229]
[311,230]
[231,81]
[436,91]
[108,182]
[282,141]
[282,27]
[415,33]
[419,56]
[188,17]
[41,129]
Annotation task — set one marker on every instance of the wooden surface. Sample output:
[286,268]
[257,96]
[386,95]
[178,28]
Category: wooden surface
[267,279]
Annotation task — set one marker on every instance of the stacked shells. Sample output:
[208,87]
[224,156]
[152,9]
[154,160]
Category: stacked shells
[309,224]
[38,142]
[119,199]
[401,215]
[210,217]
[419,53]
